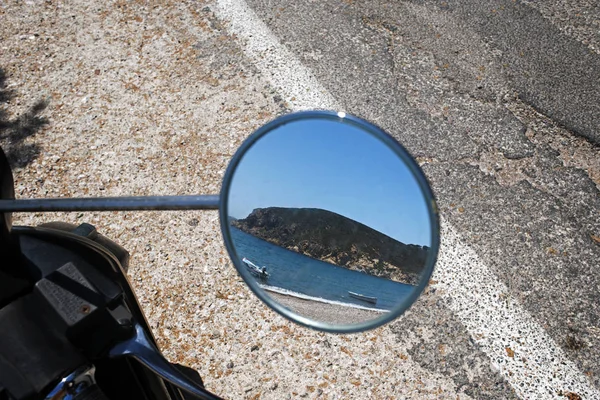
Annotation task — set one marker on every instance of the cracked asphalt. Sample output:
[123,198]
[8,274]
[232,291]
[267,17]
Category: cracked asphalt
[501,105]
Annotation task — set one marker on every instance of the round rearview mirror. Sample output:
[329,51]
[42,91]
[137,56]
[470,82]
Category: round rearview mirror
[330,221]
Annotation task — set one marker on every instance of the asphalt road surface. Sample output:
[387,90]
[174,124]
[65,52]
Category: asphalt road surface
[499,101]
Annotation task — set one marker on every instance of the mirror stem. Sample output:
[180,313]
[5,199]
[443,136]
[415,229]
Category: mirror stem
[141,348]
[202,202]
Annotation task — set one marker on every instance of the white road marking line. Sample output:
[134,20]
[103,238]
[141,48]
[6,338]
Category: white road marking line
[294,82]
[516,344]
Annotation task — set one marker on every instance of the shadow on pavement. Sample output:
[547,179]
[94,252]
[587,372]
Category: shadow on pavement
[14,132]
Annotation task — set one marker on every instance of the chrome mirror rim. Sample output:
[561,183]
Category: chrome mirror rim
[393,145]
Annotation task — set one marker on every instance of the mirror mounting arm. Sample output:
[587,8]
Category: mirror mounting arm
[141,348]
[201,202]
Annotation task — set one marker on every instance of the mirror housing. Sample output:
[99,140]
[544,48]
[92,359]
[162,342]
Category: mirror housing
[323,211]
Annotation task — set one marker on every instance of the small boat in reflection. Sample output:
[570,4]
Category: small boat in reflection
[255,270]
[362,297]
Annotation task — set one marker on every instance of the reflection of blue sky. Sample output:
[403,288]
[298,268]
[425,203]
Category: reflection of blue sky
[327,165]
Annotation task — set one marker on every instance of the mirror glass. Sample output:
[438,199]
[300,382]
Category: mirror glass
[329,221]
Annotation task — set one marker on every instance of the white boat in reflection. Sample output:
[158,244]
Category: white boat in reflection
[255,270]
[362,297]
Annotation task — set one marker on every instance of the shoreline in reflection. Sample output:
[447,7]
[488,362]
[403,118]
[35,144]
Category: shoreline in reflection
[326,312]
[304,297]
[333,238]
[302,279]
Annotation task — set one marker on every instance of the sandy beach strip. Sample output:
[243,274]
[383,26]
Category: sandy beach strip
[331,313]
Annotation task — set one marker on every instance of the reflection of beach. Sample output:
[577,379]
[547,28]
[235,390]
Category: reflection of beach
[330,313]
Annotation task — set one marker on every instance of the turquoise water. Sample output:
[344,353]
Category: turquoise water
[304,277]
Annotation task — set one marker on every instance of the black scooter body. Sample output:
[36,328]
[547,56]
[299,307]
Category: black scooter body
[64,302]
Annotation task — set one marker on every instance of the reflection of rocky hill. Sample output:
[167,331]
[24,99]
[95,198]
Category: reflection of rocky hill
[331,237]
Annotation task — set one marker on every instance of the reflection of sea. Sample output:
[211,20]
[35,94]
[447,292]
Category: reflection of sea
[296,275]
